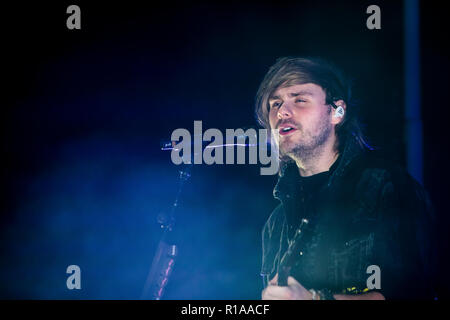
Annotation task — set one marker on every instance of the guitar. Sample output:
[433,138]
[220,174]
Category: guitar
[291,255]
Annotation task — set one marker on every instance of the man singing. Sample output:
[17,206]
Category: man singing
[350,225]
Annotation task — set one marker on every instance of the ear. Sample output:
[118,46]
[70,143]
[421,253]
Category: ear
[338,103]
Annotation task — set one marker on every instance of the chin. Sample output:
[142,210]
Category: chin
[293,148]
[289,145]
[287,149]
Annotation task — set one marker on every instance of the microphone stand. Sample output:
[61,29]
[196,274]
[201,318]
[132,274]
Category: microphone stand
[167,250]
[164,259]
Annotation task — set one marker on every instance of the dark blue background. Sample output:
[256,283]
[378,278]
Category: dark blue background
[83,177]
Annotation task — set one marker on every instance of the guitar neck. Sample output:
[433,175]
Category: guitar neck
[289,257]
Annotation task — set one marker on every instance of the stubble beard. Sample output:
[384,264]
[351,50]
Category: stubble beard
[307,151]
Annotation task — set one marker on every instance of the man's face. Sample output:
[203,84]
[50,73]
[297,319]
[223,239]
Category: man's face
[301,117]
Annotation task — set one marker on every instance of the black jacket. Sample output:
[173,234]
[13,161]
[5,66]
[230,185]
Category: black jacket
[369,212]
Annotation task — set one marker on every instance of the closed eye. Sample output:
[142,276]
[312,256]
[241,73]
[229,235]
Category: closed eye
[275,105]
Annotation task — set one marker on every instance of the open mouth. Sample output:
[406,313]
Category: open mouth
[286,130]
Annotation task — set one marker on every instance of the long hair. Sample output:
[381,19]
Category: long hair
[289,71]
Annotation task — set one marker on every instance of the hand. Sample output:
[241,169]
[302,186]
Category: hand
[293,291]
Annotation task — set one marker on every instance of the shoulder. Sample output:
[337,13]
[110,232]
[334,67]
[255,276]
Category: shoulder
[380,183]
[370,174]
[394,175]
[374,168]
[393,186]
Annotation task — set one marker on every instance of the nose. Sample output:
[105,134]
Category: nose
[284,112]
